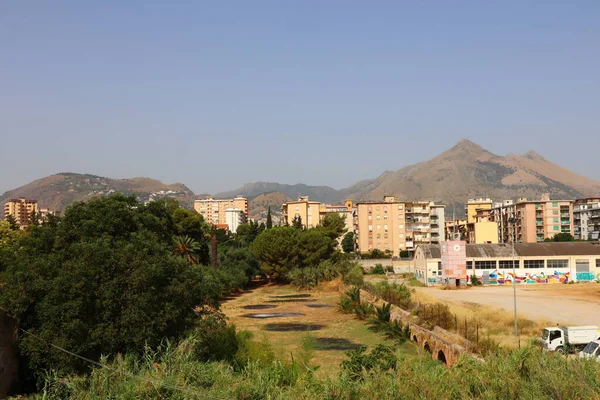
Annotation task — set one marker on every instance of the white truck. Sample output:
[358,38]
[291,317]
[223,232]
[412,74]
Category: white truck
[592,350]
[569,337]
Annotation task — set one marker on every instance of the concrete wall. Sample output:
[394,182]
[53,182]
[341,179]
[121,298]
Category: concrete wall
[9,361]
[400,266]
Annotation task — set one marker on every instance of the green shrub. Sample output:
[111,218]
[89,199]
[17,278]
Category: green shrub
[378,270]
[399,295]
[475,281]
[354,276]
[416,283]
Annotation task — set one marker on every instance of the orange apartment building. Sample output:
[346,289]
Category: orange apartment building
[395,226]
[214,210]
[20,209]
[534,221]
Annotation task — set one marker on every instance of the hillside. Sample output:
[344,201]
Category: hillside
[250,190]
[58,191]
[259,206]
[464,171]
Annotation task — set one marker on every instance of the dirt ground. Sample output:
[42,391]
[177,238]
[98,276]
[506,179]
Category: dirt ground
[334,333]
[577,304]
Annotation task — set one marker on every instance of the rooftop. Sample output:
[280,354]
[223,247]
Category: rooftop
[546,249]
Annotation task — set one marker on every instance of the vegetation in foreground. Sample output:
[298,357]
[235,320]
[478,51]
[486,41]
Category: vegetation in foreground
[174,372]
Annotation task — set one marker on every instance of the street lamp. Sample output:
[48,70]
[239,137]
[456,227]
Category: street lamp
[513,221]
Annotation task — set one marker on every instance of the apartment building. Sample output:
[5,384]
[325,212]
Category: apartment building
[533,221]
[20,209]
[308,212]
[586,218]
[345,210]
[214,210]
[482,230]
[394,226]
[474,205]
[234,217]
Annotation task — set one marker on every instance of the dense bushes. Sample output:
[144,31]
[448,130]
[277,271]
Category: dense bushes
[328,270]
[109,277]
[399,295]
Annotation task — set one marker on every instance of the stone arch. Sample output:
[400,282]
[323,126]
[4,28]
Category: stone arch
[415,338]
[426,347]
[442,357]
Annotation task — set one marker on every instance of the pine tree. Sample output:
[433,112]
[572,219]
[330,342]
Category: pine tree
[13,222]
[269,220]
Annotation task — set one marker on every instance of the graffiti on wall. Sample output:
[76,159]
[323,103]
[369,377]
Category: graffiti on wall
[586,276]
[501,278]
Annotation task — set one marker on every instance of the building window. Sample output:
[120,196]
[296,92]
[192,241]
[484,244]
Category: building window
[370,209]
[555,212]
[400,207]
[401,236]
[370,217]
[439,265]
[379,236]
[371,228]
[297,208]
[400,226]
[554,204]
[556,228]
[508,264]
[469,264]
[558,263]
[555,219]
[377,208]
[378,217]
[533,264]
[597,262]
[385,235]
[384,208]
[485,264]
[385,227]
[378,226]
[385,217]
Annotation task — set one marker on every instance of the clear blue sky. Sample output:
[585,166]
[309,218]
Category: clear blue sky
[216,94]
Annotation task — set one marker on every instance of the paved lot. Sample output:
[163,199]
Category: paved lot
[577,304]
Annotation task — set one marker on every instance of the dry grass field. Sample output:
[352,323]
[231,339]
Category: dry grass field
[333,333]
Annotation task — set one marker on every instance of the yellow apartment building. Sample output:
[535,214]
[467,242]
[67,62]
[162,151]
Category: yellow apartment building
[214,210]
[20,209]
[308,211]
[476,204]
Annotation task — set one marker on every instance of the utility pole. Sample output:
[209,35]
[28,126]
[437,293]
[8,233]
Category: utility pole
[513,221]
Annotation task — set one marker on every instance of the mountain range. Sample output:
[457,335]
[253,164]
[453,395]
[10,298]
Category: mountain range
[464,171]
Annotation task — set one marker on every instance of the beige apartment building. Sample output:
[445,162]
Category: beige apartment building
[20,209]
[395,226]
[308,212]
[214,210]
[345,210]
[533,221]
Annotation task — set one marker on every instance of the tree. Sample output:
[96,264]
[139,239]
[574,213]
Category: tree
[297,222]
[12,222]
[561,237]
[8,236]
[190,223]
[276,249]
[33,218]
[187,248]
[348,242]
[102,281]
[334,224]
[313,247]
[269,219]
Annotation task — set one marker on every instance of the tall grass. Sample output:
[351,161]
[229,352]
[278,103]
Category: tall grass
[174,373]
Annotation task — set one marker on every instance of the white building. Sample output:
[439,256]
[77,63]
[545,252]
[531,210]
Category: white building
[586,218]
[234,217]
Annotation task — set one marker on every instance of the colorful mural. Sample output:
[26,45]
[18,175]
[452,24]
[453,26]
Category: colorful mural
[501,278]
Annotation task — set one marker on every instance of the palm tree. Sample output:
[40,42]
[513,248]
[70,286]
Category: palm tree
[187,248]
